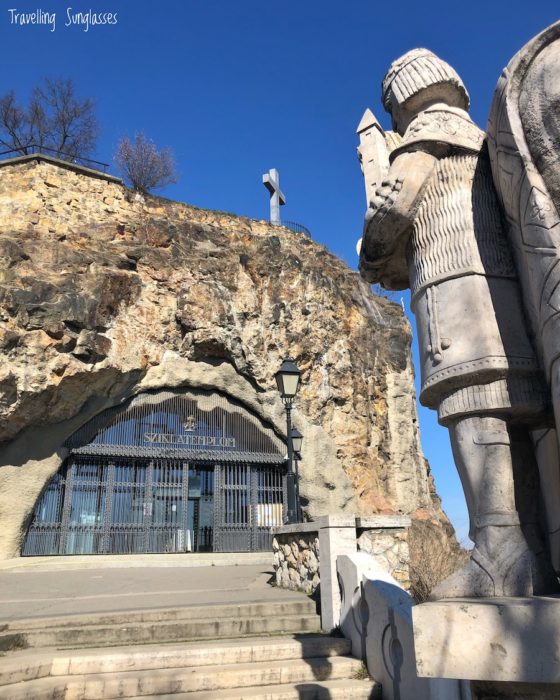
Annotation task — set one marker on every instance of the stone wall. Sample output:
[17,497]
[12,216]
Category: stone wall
[390,548]
[296,561]
[104,294]
[297,551]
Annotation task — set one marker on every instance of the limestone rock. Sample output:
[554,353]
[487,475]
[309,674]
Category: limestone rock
[103,294]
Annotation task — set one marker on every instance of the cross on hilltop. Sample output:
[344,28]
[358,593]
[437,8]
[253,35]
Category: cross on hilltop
[271,181]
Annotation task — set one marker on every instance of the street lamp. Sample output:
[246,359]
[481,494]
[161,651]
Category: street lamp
[287,381]
[297,440]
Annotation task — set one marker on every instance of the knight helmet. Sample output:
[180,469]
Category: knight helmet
[418,76]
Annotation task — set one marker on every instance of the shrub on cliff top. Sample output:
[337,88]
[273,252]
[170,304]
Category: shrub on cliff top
[143,166]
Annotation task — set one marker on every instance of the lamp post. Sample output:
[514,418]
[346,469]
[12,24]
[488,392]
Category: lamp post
[297,440]
[287,381]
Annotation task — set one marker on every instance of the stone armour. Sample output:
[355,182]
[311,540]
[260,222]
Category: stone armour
[501,396]
[460,273]
[440,249]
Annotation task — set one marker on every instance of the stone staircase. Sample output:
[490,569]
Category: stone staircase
[161,625]
[228,652]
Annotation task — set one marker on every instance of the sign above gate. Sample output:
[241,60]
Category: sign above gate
[190,424]
[189,440]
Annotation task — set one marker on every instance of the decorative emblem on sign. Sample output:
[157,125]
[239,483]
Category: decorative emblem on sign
[190,424]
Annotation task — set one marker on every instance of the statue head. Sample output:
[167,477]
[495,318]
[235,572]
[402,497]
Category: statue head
[417,80]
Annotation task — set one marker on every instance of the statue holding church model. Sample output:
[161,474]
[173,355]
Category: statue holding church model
[470,223]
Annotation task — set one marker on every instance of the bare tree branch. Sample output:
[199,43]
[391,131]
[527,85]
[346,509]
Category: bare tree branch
[15,129]
[55,119]
[143,166]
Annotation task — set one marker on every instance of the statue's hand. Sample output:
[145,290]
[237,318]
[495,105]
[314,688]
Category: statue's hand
[385,196]
[389,219]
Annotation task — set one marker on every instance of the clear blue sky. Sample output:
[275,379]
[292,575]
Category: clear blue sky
[236,87]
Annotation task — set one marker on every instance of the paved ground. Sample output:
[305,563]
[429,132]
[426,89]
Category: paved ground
[37,592]
[127,561]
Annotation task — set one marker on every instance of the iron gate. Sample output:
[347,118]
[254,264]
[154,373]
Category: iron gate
[124,506]
[167,471]
[249,502]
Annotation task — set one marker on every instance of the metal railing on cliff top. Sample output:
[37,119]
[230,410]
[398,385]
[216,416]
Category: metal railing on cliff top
[296,228]
[33,149]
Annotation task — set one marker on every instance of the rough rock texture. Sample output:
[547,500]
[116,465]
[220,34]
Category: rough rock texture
[296,561]
[390,548]
[104,294]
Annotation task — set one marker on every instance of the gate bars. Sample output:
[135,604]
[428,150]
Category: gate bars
[98,505]
[249,502]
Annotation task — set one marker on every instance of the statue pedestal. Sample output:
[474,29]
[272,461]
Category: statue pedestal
[506,647]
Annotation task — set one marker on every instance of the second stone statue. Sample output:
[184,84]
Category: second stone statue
[435,225]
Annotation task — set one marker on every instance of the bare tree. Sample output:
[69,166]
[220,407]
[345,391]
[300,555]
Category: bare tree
[55,120]
[143,166]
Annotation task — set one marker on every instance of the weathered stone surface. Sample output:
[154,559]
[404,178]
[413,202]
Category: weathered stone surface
[390,549]
[524,148]
[296,563]
[104,294]
[508,640]
[380,612]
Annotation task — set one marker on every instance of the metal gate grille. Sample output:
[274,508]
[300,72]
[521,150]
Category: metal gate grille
[250,501]
[43,537]
[100,506]
[131,488]
[142,477]
[83,515]
[97,505]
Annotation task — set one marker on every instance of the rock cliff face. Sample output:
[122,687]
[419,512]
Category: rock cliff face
[104,294]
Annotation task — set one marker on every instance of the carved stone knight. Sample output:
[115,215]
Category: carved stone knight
[434,225]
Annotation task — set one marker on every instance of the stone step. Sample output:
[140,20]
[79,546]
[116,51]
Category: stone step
[297,606]
[28,665]
[181,630]
[317,690]
[216,678]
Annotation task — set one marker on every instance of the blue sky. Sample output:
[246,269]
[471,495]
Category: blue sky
[236,87]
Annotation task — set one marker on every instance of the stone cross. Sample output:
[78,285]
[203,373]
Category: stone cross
[271,181]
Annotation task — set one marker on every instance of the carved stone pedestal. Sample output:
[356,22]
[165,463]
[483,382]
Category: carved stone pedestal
[506,647]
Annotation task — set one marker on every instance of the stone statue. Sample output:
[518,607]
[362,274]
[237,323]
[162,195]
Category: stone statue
[524,146]
[434,224]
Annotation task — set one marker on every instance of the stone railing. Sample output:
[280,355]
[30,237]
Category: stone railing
[376,616]
[360,568]
[305,554]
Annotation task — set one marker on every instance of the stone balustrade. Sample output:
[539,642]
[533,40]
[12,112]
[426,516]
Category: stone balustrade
[297,548]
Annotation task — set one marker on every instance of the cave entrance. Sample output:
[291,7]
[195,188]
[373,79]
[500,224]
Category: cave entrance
[168,472]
